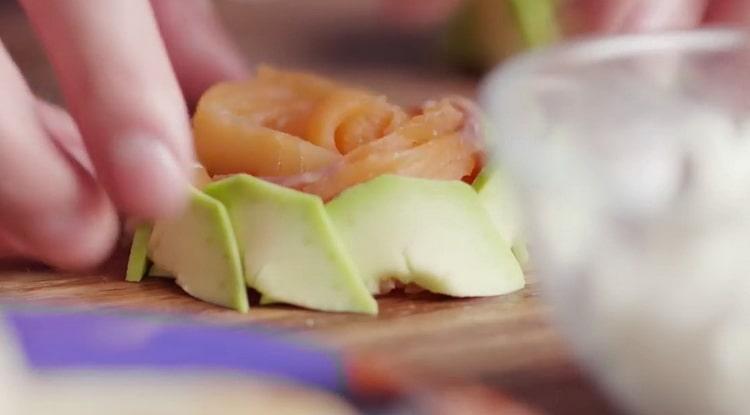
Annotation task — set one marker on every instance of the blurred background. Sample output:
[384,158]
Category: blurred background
[354,41]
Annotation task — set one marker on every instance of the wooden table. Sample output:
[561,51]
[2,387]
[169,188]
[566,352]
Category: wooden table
[505,341]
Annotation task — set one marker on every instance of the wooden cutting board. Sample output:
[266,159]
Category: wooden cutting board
[506,341]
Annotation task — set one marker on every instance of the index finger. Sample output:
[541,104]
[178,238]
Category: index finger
[735,12]
[620,16]
[121,90]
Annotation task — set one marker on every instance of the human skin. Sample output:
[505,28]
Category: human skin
[126,69]
[125,143]
[602,16]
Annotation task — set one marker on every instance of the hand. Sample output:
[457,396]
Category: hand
[608,16]
[126,144]
[627,16]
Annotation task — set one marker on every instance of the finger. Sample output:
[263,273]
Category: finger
[627,16]
[116,77]
[50,208]
[202,55]
[61,128]
[649,15]
[731,12]
[8,246]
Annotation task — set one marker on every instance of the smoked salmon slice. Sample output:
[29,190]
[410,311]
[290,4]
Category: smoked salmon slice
[309,133]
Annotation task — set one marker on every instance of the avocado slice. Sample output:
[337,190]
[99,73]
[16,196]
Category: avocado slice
[199,248]
[138,262]
[484,32]
[537,21]
[499,199]
[159,272]
[433,233]
[289,247]
[138,259]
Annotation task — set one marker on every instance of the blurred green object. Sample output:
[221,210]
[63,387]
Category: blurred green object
[138,259]
[484,32]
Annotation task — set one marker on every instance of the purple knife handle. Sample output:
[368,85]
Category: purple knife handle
[66,340]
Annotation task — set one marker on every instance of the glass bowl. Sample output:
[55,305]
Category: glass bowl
[631,158]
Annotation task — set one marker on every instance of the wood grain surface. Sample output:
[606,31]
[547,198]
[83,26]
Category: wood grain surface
[506,342]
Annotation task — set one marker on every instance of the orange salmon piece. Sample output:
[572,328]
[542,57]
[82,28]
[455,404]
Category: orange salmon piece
[306,132]
[350,118]
[254,126]
[427,146]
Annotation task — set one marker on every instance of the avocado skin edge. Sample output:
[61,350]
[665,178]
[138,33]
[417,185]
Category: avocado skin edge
[312,246]
[138,261]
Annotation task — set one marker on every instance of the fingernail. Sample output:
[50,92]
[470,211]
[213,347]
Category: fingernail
[148,180]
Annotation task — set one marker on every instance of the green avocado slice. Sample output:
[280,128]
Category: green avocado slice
[138,259]
[499,199]
[199,248]
[484,32]
[289,247]
[537,21]
[159,272]
[433,233]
